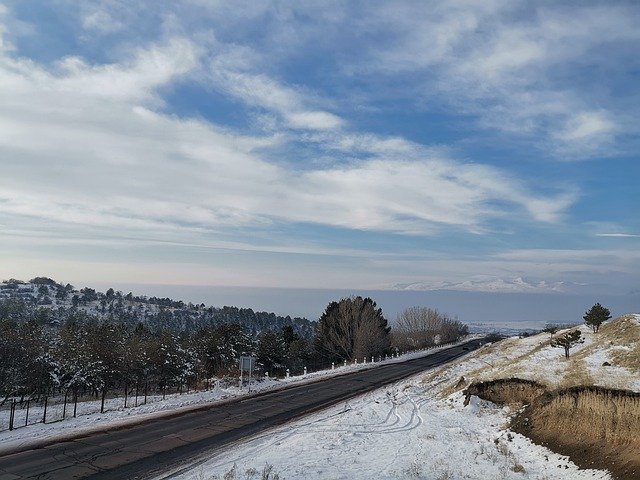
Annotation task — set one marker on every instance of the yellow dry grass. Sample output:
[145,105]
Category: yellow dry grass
[576,372]
[622,336]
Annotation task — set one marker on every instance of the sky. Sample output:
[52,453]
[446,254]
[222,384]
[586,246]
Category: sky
[476,146]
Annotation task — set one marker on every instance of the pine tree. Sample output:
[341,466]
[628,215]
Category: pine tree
[596,316]
[567,341]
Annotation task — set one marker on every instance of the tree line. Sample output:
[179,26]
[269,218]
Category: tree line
[92,355]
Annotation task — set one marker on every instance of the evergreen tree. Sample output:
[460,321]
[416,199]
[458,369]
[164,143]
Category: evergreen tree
[272,350]
[596,316]
[568,341]
[351,328]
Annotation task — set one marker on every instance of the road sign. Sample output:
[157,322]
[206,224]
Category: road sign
[247,364]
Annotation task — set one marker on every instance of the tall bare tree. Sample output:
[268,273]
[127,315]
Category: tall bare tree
[419,327]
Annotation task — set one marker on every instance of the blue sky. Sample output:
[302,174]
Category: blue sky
[486,146]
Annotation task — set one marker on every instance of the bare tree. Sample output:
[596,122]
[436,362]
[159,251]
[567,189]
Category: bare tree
[419,327]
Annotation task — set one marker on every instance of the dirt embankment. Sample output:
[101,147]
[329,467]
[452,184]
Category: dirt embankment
[596,427]
[505,391]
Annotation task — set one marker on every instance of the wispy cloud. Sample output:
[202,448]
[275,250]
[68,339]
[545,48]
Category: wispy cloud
[622,235]
[100,132]
[97,150]
[511,70]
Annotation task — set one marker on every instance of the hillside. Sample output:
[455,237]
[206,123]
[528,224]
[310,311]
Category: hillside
[426,427]
[52,303]
[610,358]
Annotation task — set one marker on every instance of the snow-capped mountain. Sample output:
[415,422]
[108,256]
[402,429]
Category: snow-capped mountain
[489,284]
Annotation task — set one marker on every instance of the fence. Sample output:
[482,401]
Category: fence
[17,413]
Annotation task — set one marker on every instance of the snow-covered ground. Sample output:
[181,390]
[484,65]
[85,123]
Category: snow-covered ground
[419,428]
[90,419]
[533,358]
[397,432]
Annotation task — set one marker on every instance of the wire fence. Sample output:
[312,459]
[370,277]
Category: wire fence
[17,413]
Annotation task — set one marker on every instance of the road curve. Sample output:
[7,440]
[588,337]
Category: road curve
[149,448]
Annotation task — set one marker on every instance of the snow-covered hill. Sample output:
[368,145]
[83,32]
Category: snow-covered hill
[53,303]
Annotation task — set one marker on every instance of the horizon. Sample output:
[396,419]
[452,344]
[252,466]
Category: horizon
[467,147]
[500,310]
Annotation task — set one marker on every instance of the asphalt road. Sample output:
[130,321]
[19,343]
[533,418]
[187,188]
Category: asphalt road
[156,446]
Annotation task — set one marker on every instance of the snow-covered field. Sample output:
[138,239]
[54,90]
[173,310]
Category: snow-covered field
[90,419]
[419,428]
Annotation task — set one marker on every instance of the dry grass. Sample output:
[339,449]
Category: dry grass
[576,372]
[510,363]
[623,332]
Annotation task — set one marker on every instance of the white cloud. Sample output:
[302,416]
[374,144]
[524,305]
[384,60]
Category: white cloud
[621,235]
[513,70]
[88,144]
[256,89]
[587,124]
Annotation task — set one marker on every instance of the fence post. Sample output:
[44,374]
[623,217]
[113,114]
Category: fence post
[64,408]
[75,403]
[104,394]
[125,396]
[12,412]
[26,420]
[146,386]
[44,415]
[372,359]
[287,373]
[305,371]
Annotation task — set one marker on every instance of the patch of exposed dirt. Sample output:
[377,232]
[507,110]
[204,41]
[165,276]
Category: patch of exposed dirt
[596,427]
[506,391]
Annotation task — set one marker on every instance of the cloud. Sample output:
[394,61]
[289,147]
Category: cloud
[258,90]
[535,73]
[620,235]
[89,144]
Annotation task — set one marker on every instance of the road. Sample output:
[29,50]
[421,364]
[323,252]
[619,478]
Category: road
[155,446]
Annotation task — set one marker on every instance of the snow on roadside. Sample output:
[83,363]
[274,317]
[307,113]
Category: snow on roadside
[398,432]
[89,419]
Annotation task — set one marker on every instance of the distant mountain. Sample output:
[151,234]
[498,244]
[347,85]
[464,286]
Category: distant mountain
[489,284]
[53,303]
